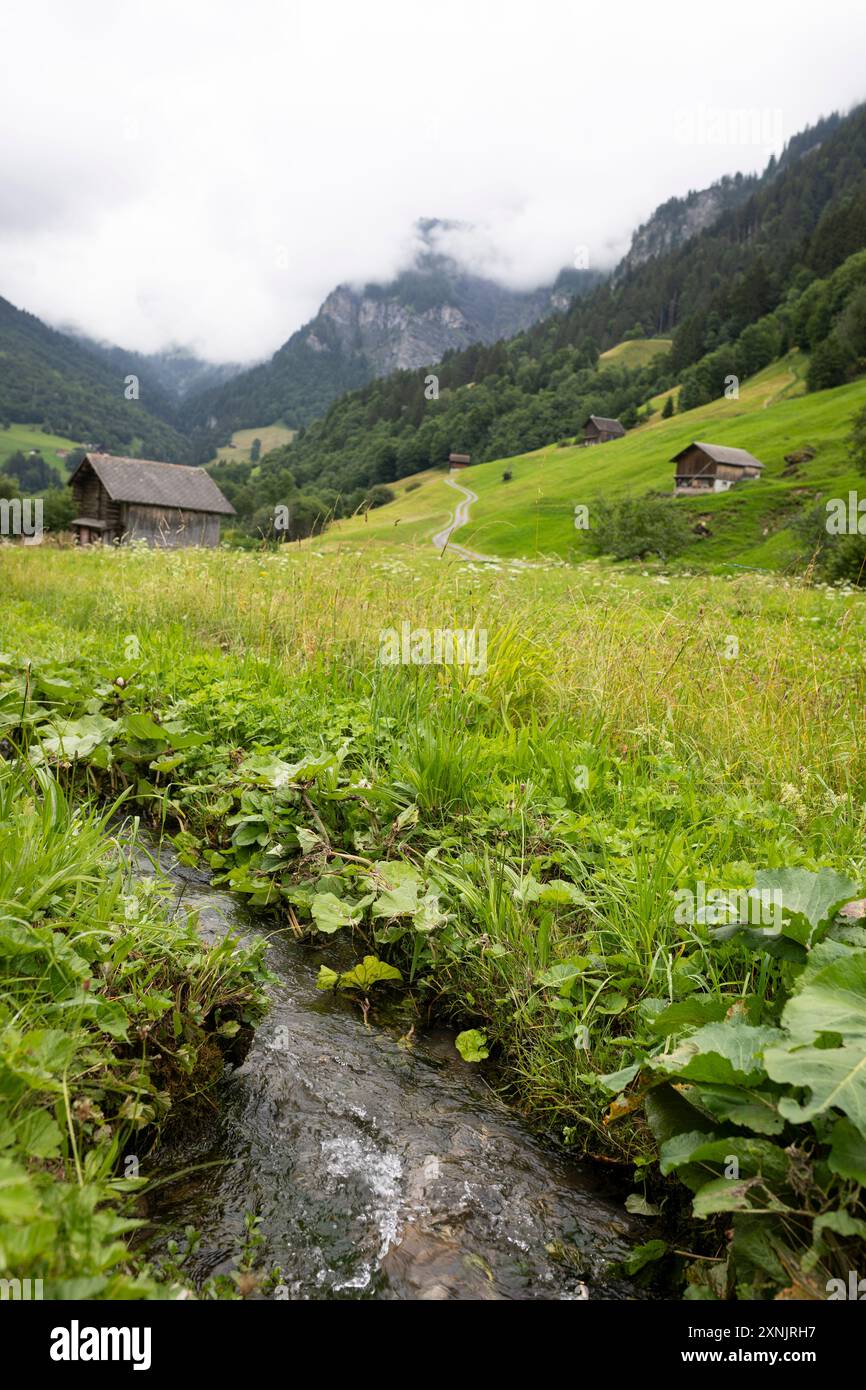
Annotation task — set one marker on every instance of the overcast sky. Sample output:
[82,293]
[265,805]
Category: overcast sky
[204,172]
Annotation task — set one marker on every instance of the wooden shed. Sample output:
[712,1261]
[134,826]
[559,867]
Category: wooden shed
[459,460]
[165,504]
[598,430]
[712,468]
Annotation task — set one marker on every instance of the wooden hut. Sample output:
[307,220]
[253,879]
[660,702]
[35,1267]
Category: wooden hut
[165,504]
[598,430]
[712,468]
[459,460]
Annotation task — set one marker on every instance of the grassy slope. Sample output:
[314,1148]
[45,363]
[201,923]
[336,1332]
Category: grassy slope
[533,514]
[636,352]
[27,437]
[272,437]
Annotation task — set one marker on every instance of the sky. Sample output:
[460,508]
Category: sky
[203,173]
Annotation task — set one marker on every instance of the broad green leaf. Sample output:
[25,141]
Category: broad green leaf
[77,738]
[740,1105]
[832,1000]
[144,726]
[399,901]
[689,1013]
[616,1081]
[638,1205]
[735,1194]
[813,897]
[563,973]
[643,1255]
[308,841]
[726,1052]
[328,978]
[560,893]
[428,915]
[841,1223]
[370,971]
[848,1152]
[472,1045]
[330,913]
[18,1197]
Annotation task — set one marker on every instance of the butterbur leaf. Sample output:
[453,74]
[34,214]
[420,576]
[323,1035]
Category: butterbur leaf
[370,971]
[330,913]
[726,1053]
[428,915]
[77,738]
[831,1001]
[472,1045]
[688,1013]
[562,975]
[750,1109]
[145,727]
[399,901]
[848,1152]
[328,978]
[560,893]
[813,898]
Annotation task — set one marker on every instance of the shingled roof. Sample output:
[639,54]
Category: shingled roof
[722,453]
[605,425]
[153,484]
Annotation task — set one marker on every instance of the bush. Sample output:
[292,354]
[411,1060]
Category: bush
[379,496]
[639,526]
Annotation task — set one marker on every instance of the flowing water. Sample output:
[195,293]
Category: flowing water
[379,1170]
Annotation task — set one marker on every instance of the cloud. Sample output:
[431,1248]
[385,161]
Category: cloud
[206,175]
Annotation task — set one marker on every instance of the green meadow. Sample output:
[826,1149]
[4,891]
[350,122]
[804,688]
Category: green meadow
[515,842]
[532,514]
[22,438]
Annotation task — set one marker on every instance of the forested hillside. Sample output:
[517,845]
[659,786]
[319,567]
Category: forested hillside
[49,378]
[777,272]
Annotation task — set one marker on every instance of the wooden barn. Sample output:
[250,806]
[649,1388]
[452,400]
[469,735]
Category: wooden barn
[165,504]
[598,430]
[712,468]
[459,460]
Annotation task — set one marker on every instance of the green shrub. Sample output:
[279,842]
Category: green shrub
[639,526]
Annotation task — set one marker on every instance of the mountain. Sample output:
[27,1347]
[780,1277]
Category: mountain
[677,220]
[433,307]
[785,268]
[169,376]
[50,378]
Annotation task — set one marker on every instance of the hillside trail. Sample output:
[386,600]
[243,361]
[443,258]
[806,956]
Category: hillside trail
[460,517]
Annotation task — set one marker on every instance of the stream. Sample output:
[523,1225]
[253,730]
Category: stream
[379,1171]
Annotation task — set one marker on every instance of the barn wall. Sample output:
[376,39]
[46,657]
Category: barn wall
[171,527]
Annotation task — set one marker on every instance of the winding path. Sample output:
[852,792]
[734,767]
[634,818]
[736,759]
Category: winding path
[459,517]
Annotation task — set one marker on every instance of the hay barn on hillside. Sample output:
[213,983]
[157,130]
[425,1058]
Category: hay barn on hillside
[712,468]
[599,430]
[165,504]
